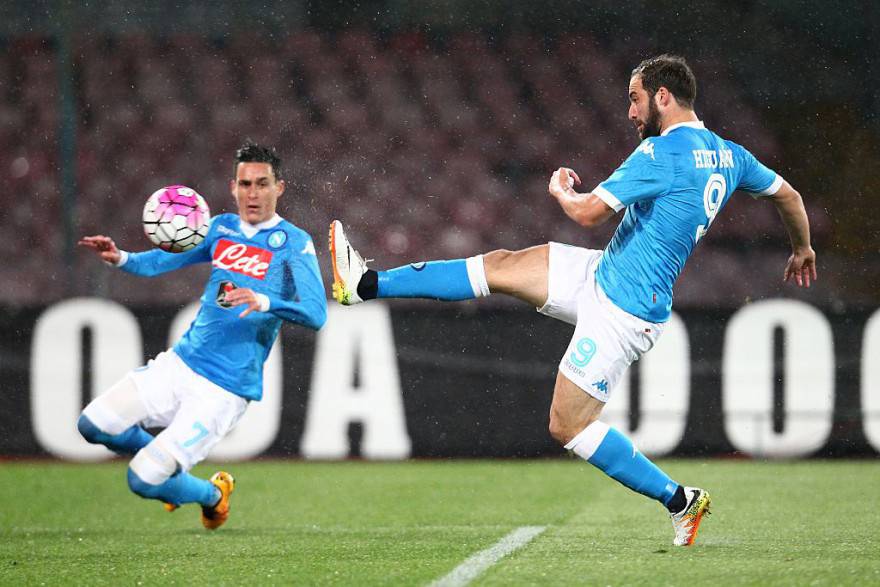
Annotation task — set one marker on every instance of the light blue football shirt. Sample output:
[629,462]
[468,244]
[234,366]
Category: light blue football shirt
[275,259]
[672,187]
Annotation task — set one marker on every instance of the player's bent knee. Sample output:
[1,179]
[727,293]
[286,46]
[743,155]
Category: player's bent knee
[90,431]
[498,260]
[556,431]
[521,274]
[498,255]
[140,487]
[150,467]
[560,431]
[563,429]
[114,411]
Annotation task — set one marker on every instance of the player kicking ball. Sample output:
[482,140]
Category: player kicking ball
[671,188]
[264,271]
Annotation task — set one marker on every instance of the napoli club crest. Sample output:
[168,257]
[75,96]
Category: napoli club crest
[277,239]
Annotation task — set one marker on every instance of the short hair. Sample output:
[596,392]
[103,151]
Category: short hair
[671,72]
[253,153]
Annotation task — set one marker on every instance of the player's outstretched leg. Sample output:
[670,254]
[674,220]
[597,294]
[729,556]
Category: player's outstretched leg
[354,282]
[613,453]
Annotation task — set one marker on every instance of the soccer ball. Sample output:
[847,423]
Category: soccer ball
[176,218]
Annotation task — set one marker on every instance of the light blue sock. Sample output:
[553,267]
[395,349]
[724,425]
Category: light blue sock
[179,489]
[127,442]
[615,455]
[437,280]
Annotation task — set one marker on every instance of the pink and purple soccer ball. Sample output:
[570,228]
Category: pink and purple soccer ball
[176,218]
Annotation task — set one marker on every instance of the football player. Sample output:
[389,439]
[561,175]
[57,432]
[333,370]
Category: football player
[670,189]
[264,271]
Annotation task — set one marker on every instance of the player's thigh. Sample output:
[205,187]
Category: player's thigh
[605,342]
[572,409]
[117,409]
[145,396]
[158,383]
[569,271]
[205,416]
[521,274]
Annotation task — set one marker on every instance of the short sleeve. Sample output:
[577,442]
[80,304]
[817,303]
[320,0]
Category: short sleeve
[646,174]
[756,177]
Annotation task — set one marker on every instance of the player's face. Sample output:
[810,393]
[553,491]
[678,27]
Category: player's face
[256,191]
[642,110]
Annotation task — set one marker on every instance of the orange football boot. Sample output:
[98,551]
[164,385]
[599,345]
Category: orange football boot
[215,516]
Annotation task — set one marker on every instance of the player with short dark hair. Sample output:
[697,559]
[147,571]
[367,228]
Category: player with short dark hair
[670,72]
[253,153]
[198,390]
[671,188]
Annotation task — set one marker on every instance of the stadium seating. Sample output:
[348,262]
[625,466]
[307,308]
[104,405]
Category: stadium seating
[427,146]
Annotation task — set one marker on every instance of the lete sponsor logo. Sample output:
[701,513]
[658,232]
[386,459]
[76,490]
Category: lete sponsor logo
[241,258]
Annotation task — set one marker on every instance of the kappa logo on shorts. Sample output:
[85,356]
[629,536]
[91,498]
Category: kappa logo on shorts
[601,385]
[584,351]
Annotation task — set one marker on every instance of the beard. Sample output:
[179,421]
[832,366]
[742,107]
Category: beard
[651,126]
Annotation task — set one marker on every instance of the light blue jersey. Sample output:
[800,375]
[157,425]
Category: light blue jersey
[672,187]
[275,259]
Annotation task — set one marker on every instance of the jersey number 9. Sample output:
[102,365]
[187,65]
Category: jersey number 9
[713,195]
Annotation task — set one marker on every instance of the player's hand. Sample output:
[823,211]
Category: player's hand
[562,183]
[243,296]
[103,246]
[801,267]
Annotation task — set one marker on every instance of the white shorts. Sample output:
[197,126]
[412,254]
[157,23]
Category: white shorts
[606,338]
[194,412]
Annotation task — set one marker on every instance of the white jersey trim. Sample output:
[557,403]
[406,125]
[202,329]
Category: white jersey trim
[264,301]
[608,198]
[774,187]
[691,124]
[250,230]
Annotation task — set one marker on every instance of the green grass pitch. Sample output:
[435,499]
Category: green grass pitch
[410,523]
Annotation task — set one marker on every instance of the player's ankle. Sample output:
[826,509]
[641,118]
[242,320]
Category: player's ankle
[368,286]
[678,501]
[217,501]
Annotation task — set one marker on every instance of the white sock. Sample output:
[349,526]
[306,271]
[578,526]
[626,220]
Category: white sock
[477,275]
[588,440]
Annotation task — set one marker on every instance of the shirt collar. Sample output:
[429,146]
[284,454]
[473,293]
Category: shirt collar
[692,124]
[251,229]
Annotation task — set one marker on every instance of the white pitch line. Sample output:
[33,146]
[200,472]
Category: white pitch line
[475,565]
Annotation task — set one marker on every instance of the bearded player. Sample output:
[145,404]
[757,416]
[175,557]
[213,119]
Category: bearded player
[264,271]
[671,188]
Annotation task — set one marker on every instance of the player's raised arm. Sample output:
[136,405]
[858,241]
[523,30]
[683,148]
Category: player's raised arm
[801,264]
[103,246]
[585,209]
[148,263]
